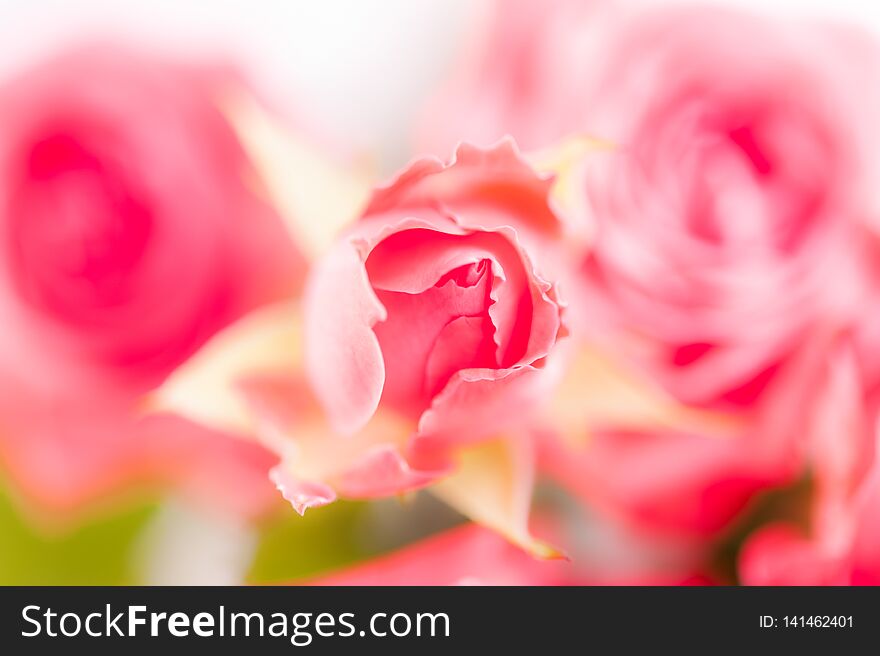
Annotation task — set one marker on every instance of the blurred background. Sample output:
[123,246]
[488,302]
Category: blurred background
[358,72]
[361,70]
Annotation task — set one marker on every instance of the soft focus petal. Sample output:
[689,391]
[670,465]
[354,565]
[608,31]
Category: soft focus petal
[301,495]
[343,357]
[487,188]
[318,191]
[468,555]
[318,465]
[492,485]
[781,555]
[134,232]
[206,388]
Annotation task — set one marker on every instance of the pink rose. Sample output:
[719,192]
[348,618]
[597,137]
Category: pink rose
[427,331]
[729,236]
[433,305]
[731,224]
[727,228]
[522,75]
[840,542]
[132,231]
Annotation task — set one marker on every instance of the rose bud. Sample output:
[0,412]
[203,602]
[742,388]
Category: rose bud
[432,305]
[421,352]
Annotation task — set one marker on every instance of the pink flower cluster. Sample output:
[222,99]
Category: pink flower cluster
[646,279]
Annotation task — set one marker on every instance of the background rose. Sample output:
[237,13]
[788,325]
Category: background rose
[834,539]
[729,234]
[731,223]
[132,230]
[522,74]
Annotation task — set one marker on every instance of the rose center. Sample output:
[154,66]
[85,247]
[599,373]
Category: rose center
[77,234]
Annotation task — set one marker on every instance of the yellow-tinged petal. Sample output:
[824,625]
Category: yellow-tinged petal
[565,154]
[316,195]
[370,463]
[566,161]
[204,389]
[598,391]
[322,455]
[492,485]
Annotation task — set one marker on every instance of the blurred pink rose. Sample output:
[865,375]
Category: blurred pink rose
[132,231]
[523,74]
[729,236]
[732,221]
[727,224]
[839,543]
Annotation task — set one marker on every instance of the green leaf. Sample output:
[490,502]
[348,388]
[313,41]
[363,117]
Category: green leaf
[293,547]
[94,551]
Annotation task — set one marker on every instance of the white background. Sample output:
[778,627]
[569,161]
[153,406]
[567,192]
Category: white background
[361,67]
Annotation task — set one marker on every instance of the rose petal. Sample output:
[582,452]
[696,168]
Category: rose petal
[383,471]
[302,495]
[343,358]
[407,336]
[371,463]
[477,402]
[464,343]
[414,259]
[324,196]
[780,555]
[493,486]
[206,387]
[497,180]
[678,483]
